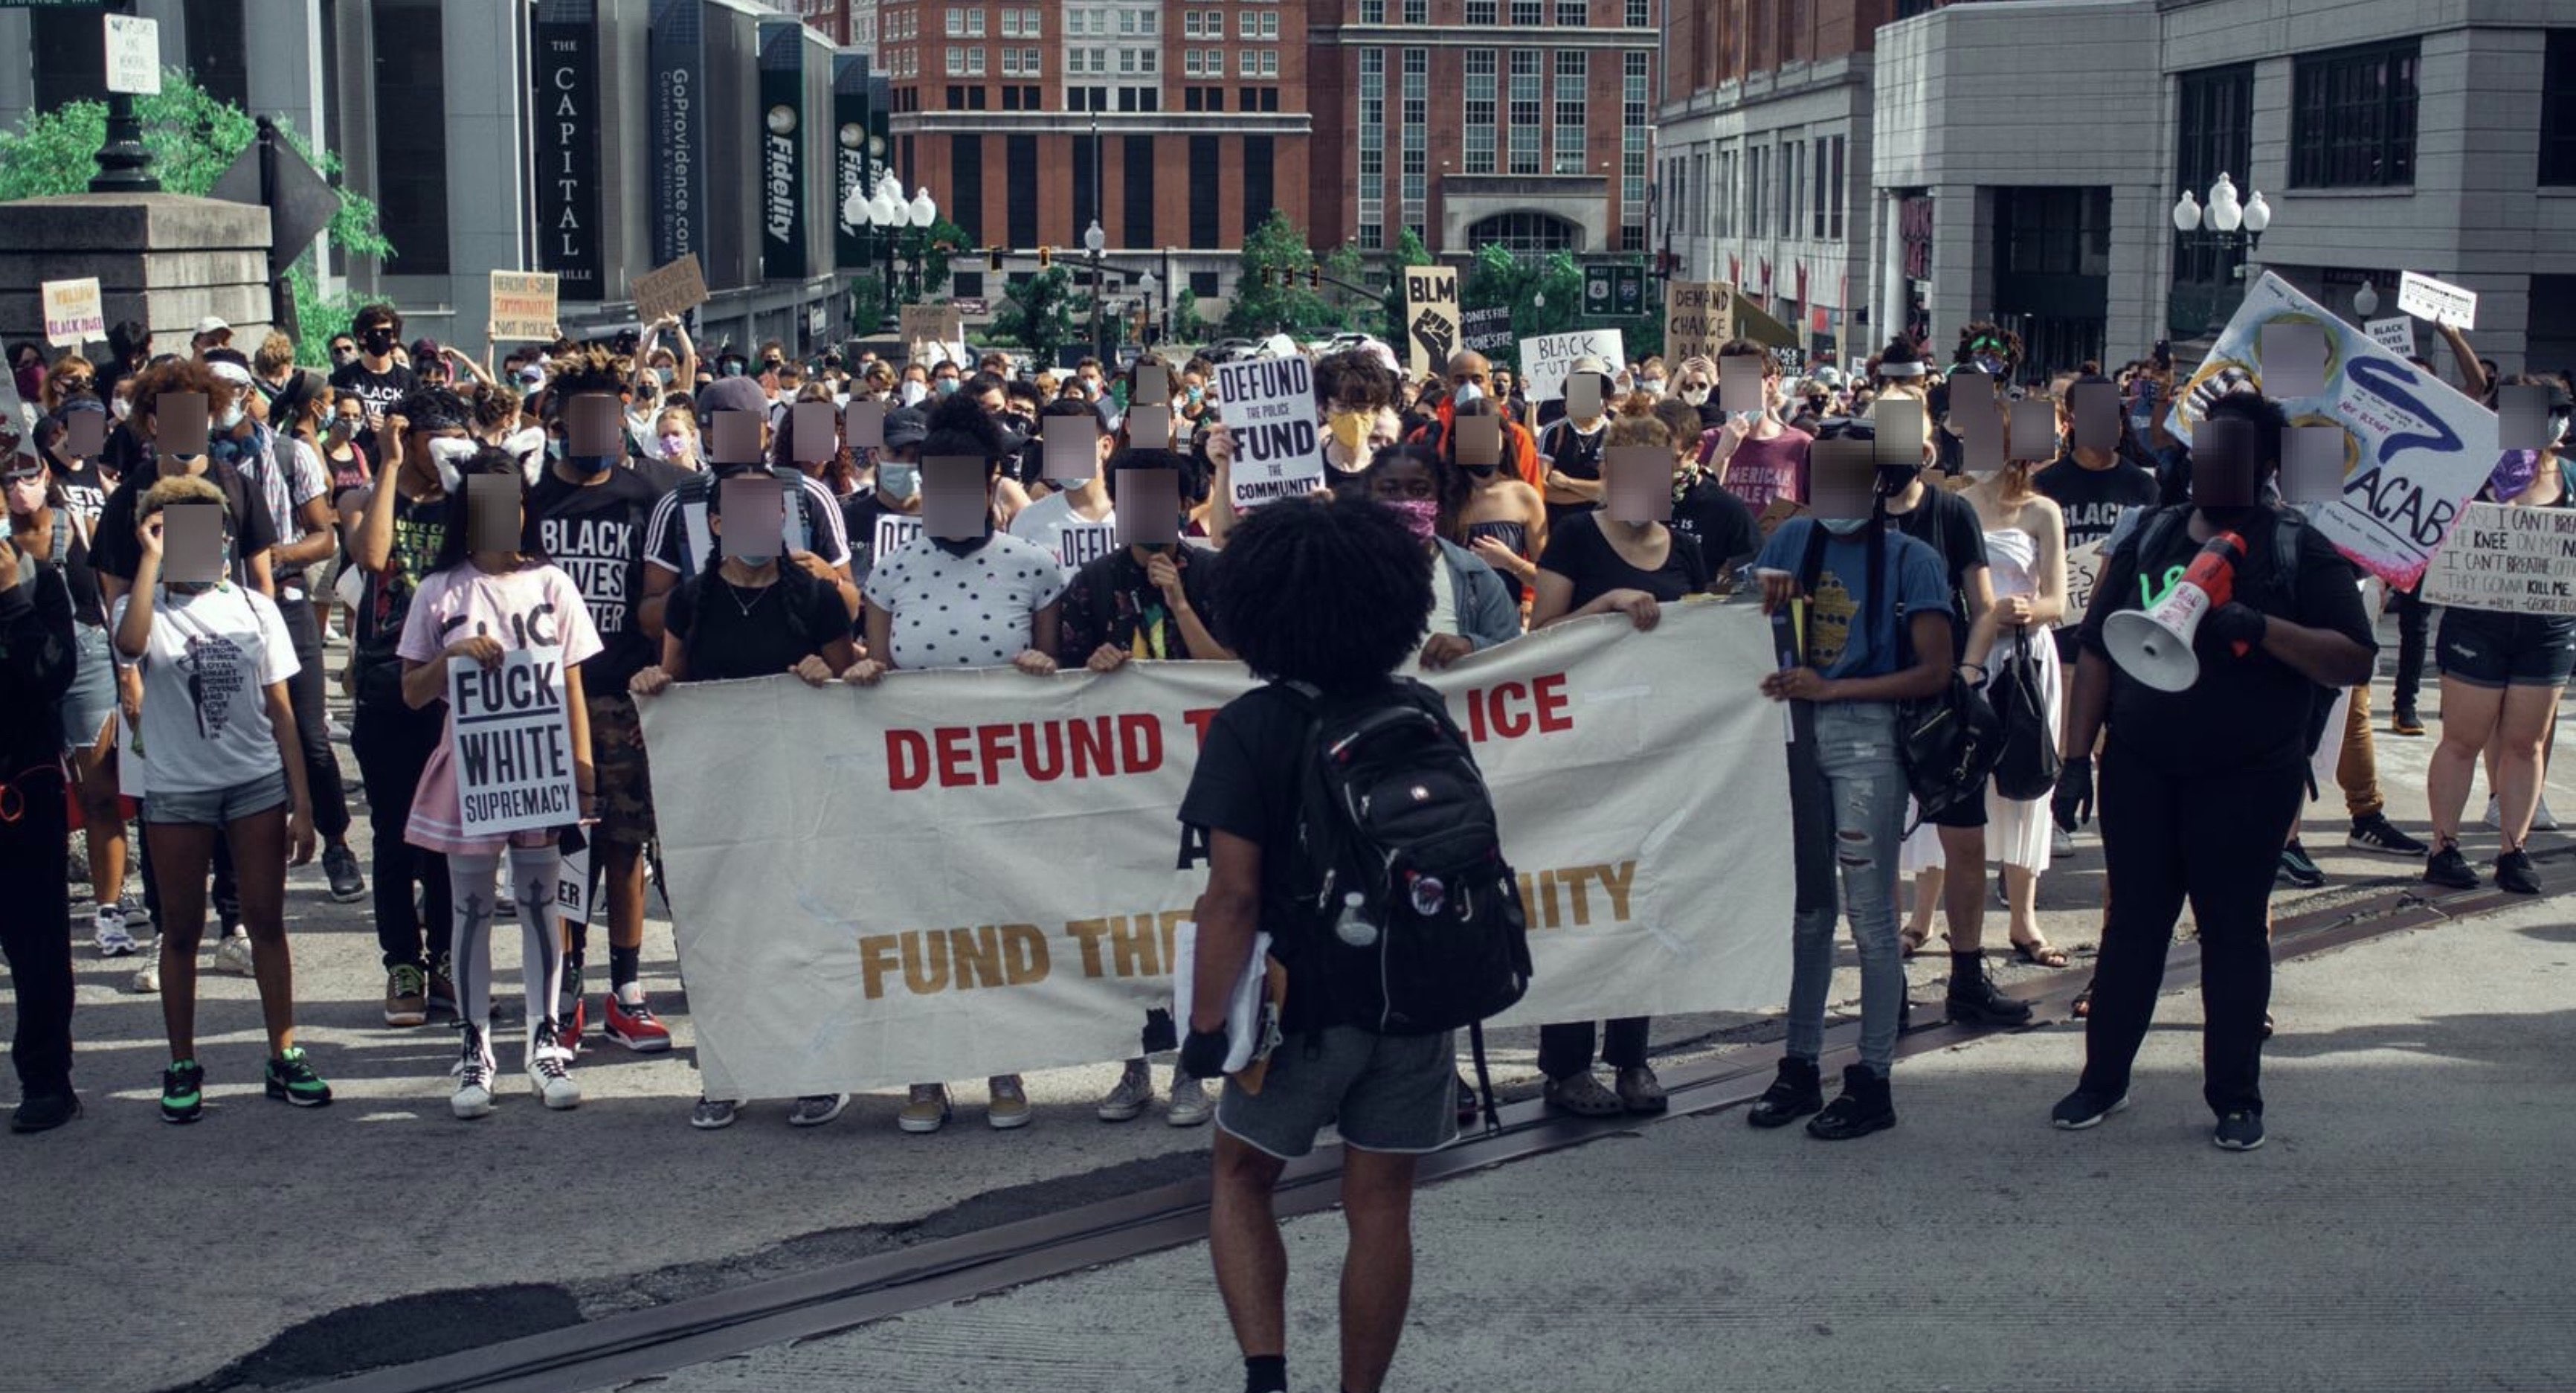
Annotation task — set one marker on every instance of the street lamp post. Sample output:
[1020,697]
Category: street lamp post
[924,213]
[1095,241]
[2223,222]
[1146,285]
[124,161]
[2365,301]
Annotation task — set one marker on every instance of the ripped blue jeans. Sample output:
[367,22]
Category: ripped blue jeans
[1847,807]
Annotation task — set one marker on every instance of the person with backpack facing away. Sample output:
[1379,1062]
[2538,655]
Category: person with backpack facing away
[738,617]
[1325,600]
[39,659]
[2201,787]
[1873,631]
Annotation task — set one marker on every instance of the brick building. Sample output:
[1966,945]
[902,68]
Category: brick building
[1174,126]
[1764,145]
[1528,123]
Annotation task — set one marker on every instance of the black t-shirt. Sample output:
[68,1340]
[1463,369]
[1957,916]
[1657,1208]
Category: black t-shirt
[1111,601]
[730,632]
[1247,784]
[376,391]
[1717,521]
[595,532]
[1580,553]
[1948,524]
[2093,499]
[2247,712]
[660,475]
[84,487]
[114,551]
[1576,456]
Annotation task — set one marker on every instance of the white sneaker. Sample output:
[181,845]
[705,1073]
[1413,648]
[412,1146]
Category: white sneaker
[1191,1105]
[2060,842]
[339,732]
[550,1069]
[1128,1101]
[233,955]
[2542,820]
[473,1072]
[114,941]
[147,978]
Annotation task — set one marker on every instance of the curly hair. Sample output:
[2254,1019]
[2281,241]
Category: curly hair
[1354,380]
[958,426]
[432,408]
[1981,333]
[1449,483]
[1335,593]
[581,373]
[181,376]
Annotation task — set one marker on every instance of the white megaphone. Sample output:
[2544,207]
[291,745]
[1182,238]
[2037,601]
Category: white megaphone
[2153,645]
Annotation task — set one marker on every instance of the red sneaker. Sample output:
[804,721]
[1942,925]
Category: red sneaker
[570,1022]
[635,1028]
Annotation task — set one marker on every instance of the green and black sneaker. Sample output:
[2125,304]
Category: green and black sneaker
[291,1077]
[183,1092]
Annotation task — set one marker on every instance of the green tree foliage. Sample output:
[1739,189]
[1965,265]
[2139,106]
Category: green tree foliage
[194,137]
[946,239]
[1187,326]
[1039,315]
[1503,277]
[1288,305]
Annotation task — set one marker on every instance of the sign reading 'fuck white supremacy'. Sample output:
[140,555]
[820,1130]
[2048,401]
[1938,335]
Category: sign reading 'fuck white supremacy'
[955,874]
[512,744]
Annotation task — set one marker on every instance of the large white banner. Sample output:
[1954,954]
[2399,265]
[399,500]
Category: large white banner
[956,874]
[2414,449]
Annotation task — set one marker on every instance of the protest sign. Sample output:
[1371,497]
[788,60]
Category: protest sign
[1545,360]
[1639,782]
[1699,317]
[933,334]
[1431,318]
[2439,301]
[672,290]
[2512,560]
[74,312]
[1487,331]
[523,305]
[511,744]
[2396,335]
[2414,450]
[2083,572]
[1268,405]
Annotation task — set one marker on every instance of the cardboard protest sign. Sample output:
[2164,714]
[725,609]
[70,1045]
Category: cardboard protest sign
[2513,560]
[1487,331]
[1432,321]
[74,312]
[1699,317]
[2083,573]
[523,305]
[811,970]
[2415,449]
[2439,301]
[933,334]
[1546,360]
[511,744]
[1268,405]
[2396,335]
[673,290]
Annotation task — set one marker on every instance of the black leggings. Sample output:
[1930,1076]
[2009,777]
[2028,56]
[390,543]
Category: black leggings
[312,722]
[2215,838]
[2414,625]
[1565,1050]
[36,934]
[393,744]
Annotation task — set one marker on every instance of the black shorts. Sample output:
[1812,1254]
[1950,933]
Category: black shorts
[1967,812]
[2486,649]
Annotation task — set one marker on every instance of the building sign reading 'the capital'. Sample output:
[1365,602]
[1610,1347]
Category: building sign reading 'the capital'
[565,115]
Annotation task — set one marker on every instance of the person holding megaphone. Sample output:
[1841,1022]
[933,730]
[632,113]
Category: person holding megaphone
[2215,639]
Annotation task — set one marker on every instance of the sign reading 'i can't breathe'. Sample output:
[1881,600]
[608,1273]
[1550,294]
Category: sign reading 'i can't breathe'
[513,745]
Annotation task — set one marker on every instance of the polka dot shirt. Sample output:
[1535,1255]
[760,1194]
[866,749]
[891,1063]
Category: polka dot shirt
[964,611]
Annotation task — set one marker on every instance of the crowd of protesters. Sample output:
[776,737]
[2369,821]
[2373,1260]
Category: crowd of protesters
[196,709]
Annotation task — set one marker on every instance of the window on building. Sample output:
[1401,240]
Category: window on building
[1478,150]
[1270,99]
[1190,25]
[1632,237]
[1033,64]
[956,61]
[1480,13]
[1127,23]
[1640,14]
[2216,135]
[1636,132]
[1011,68]
[1695,211]
[1010,99]
[975,63]
[1757,190]
[411,154]
[1372,148]
[956,22]
[2558,109]
[1247,63]
[1127,61]
[1816,192]
[1206,220]
[1206,285]
[1244,25]
[1149,61]
[975,24]
[1020,189]
[1010,23]
[1523,232]
[1190,95]
[1529,12]
[1150,23]
[1834,209]
[1573,12]
[1526,115]
[1259,161]
[2352,118]
[1190,68]
[1415,172]
[1415,12]
[1085,206]
[966,186]
[1573,80]
[1270,26]
[1270,62]
[1372,11]
[1136,228]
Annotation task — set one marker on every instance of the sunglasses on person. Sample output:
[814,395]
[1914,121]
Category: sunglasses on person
[77,382]
[344,349]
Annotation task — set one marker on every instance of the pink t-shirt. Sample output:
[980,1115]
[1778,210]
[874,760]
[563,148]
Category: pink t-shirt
[538,607]
[1761,470]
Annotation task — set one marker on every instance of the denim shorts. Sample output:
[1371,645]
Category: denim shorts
[2487,649]
[216,807]
[1391,1093]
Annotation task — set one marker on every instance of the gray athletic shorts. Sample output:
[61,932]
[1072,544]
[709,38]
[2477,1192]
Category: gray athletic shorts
[1391,1093]
[216,807]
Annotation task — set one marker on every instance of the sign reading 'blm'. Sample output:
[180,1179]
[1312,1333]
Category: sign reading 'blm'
[513,745]
[1269,407]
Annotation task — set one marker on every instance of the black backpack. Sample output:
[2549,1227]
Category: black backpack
[1413,919]
[2028,764]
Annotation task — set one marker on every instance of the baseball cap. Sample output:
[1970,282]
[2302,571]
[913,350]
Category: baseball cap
[732,394]
[425,352]
[906,428]
[212,324]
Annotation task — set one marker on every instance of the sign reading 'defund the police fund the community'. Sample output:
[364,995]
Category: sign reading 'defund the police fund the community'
[511,743]
[1268,405]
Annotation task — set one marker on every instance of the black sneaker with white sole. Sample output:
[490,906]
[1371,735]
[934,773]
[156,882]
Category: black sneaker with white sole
[2374,832]
[2297,870]
[2239,1131]
[2080,1109]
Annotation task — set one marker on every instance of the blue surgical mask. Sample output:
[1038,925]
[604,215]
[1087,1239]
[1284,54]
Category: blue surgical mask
[1844,527]
[899,481]
[946,386]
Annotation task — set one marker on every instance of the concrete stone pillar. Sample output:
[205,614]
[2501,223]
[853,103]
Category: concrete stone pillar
[166,259]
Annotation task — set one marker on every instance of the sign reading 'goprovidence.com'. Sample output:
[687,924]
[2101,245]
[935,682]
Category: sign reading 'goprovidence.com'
[858,902]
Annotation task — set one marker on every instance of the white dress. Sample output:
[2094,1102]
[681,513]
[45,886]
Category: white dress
[2016,832]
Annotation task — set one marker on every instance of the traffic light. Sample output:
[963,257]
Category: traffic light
[1269,277]
[994,254]
[1046,258]
[1314,277]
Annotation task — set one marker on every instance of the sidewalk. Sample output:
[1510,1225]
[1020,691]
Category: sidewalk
[2397,1233]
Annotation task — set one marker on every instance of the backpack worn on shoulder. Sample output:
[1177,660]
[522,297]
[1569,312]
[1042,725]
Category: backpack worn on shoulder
[1399,865]
[2028,764]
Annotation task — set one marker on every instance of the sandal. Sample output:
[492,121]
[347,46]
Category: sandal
[1910,942]
[2082,1007]
[2039,952]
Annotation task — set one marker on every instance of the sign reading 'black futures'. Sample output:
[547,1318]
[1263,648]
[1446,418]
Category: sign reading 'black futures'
[567,138]
[677,52]
[782,150]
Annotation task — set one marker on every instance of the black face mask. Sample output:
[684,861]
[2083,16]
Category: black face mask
[1483,471]
[379,341]
[1893,478]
